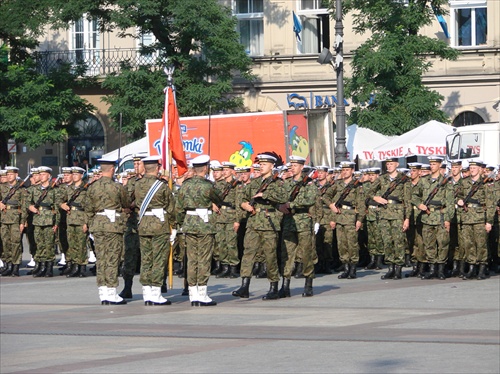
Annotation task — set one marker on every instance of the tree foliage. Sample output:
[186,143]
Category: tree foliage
[198,37]
[389,66]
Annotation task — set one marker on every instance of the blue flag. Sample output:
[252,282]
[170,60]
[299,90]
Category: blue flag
[297,26]
[442,22]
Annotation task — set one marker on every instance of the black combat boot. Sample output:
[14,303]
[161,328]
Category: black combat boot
[256,268]
[15,270]
[408,263]
[180,269]
[440,272]
[50,269]
[35,270]
[299,271]
[243,290]
[371,265]
[233,272]
[69,268]
[127,289]
[83,269]
[471,273]
[308,287]
[272,294]
[390,273]
[461,269]
[217,268]
[413,272]
[224,272]
[74,273]
[431,273]
[482,272]
[420,269]
[8,270]
[41,272]
[262,271]
[345,273]
[285,289]
[397,272]
[352,272]
[455,271]
[379,264]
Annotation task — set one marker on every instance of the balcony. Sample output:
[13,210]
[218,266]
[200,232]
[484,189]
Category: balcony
[97,62]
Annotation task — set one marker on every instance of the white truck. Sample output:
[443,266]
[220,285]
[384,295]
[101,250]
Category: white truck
[481,142]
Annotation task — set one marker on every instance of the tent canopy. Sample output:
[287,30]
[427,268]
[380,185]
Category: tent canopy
[138,146]
[361,141]
[428,139]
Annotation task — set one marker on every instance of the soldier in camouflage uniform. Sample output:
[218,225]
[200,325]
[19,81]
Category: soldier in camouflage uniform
[73,200]
[43,201]
[106,205]
[414,232]
[375,244]
[62,234]
[156,216]
[394,215]
[30,229]
[260,199]
[195,203]
[13,219]
[478,207]
[437,212]
[218,178]
[456,252]
[132,253]
[348,204]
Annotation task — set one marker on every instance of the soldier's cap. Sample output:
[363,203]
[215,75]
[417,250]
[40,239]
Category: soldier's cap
[130,171]
[256,166]
[3,172]
[243,169]
[202,160]
[44,169]
[403,170]
[139,156]
[228,165]
[456,163]
[415,165]
[347,165]
[60,176]
[373,171]
[264,157]
[435,159]
[34,171]
[425,167]
[11,169]
[77,170]
[307,168]
[479,163]
[490,167]
[107,161]
[331,170]
[297,159]
[357,173]
[465,164]
[391,159]
[152,159]
[322,168]
[215,165]
[66,170]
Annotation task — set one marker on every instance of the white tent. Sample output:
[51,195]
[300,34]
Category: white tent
[428,139]
[361,142]
[138,146]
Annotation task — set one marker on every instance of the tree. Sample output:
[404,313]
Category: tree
[386,84]
[198,37]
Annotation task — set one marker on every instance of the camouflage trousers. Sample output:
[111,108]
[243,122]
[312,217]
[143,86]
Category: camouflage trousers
[108,252]
[131,253]
[62,236]
[436,243]
[394,241]
[475,243]
[456,251]
[292,243]
[179,247]
[375,244]
[416,243]
[256,241]
[154,255]
[77,250]
[11,241]
[45,240]
[324,240]
[199,249]
[227,243]
[347,243]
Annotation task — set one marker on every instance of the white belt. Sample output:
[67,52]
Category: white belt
[194,213]
[203,213]
[104,214]
[110,214]
[150,213]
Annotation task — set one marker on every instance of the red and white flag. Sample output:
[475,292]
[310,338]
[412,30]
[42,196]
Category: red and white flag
[171,137]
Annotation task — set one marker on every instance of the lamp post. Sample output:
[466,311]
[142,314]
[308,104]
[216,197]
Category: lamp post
[326,58]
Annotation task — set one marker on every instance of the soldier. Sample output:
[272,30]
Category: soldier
[106,206]
[456,251]
[434,198]
[243,175]
[13,220]
[73,199]
[62,237]
[324,236]
[478,210]
[394,195]
[43,201]
[414,232]
[196,200]
[263,225]
[375,244]
[30,229]
[132,254]
[156,216]
[218,178]
[349,205]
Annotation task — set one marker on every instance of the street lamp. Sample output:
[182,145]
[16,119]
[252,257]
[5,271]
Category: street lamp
[327,58]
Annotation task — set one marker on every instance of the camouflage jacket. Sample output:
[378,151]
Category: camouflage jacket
[76,216]
[132,217]
[415,213]
[14,212]
[301,219]
[352,208]
[48,214]
[229,210]
[441,207]
[197,193]
[266,206]
[481,207]
[399,206]
[155,222]
[372,207]
[104,199]
[322,212]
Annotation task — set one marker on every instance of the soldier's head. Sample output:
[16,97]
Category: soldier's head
[3,176]
[152,165]
[391,164]
[45,173]
[67,175]
[322,172]
[216,168]
[243,174]
[415,168]
[228,170]
[347,169]
[425,169]
[12,174]
[138,164]
[475,168]
[201,165]
[456,168]
[77,174]
[435,163]
[256,171]
[373,174]
[296,165]
[266,162]
[107,168]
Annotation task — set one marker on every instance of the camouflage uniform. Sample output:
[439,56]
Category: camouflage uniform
[457,251]
[414,236]
[62,231]
[131,255]
[375,244]
[76,218]
[324,237]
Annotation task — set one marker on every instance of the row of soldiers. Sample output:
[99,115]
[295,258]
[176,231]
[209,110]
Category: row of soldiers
[300,213]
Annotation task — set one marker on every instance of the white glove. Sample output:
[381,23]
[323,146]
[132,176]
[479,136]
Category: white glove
[172,236]
[316,228]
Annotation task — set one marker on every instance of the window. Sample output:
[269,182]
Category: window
[250,15]
[85,39]
[469,23]
[315,20]
[145,44]
[467,118]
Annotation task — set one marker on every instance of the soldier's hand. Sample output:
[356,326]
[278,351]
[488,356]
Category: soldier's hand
[54,228]
[21,228]
[2,206]
[423,207]
[236,226]
[333,225]
[447,226]
[358,225]
[246,206]
[65,207]
[380,200]
[406,224]
[460,202]
[334,208]
[488,227]
[85,227]
[215,208]
[33,209]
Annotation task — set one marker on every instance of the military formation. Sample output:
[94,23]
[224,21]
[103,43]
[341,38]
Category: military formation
[274,220]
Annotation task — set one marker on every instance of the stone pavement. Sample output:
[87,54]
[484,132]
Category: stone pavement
[367,325]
